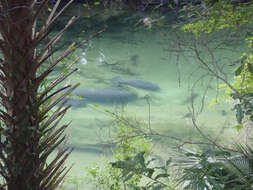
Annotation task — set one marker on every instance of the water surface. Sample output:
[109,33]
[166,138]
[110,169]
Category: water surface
[132,51]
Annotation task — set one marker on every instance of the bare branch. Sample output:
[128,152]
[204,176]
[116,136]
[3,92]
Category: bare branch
[39,9]
[45,110]
[50,68]
[55,39]
[56,83]
[52,13]
[60,12]
[44,30]
[214,62]
[42,36]
[51,52]
[69,50]
[51,95]
[214,73]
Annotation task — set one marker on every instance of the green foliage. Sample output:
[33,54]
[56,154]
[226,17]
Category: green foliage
[244,75]
[243,84]
[138,166]
[223,14]
[105,177]
[128,145]
[218,170]
[96,3]
[204,171]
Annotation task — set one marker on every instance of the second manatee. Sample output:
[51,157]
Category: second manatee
[137,83]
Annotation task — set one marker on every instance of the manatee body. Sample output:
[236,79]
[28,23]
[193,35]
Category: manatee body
[137,83]
[76,103]
[107,95]
[92,148]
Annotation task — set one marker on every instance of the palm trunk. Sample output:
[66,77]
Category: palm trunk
[19,96]
[24,147]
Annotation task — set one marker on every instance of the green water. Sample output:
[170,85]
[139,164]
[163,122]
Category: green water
[139,52]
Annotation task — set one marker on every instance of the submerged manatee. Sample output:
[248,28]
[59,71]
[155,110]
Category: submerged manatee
[92,148]
[137,83]
[107,95]
[76,103]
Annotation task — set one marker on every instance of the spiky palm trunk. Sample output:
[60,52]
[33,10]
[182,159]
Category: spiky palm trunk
[19,96]
[28,134]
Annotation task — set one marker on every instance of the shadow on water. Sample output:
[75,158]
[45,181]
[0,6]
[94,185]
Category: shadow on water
[110,95]
[93,148]
[76,103]
[120,67]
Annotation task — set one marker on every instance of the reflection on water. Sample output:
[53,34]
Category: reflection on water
[128,63]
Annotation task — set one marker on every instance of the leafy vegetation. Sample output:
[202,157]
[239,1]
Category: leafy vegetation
[127,147]
[221,15]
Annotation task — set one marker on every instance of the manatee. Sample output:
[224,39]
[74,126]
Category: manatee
[76,103]
[137,83]
[87,150]
[92,148]
[107,95]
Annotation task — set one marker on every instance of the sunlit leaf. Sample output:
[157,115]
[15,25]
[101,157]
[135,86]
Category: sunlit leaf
[73,47]
[96,3]
[72,57]
[238,127]
[65,71]
[86,5]
[157,6]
